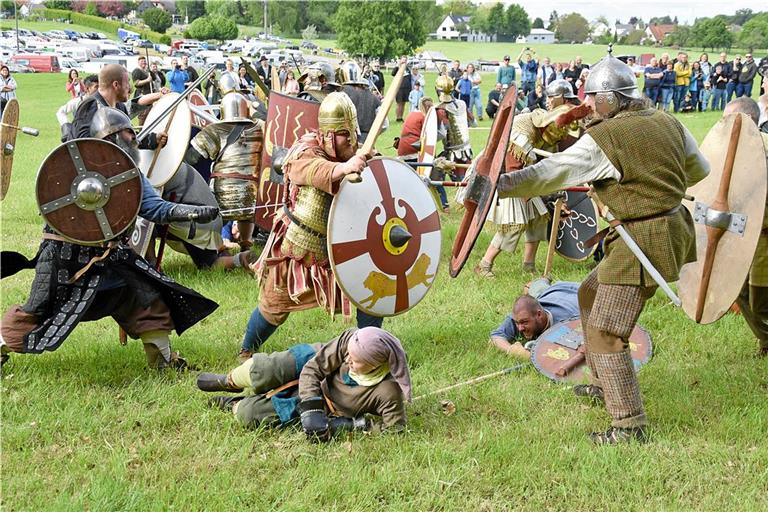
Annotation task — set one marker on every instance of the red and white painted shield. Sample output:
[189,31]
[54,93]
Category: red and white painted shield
[428,140]
[201,110]
[384,238]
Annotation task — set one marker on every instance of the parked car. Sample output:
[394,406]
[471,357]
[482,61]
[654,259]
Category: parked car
[18,67]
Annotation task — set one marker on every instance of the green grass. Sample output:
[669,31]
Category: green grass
[89,428]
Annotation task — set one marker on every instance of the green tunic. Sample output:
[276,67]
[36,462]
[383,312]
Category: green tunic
[648,148]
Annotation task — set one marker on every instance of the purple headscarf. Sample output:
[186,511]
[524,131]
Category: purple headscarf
[375,347]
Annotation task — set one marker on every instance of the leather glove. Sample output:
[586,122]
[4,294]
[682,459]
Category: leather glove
[314,420]
[354,164]
[342,424]
[188,212]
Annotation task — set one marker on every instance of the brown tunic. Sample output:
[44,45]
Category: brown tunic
[325,374]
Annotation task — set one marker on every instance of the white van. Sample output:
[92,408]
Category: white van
[78,53]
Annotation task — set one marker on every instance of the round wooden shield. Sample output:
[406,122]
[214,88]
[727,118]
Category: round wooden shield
[428,140]
[161,168]
[745,201]
[578,227]
[556,353]
[8,131]
[197,99]
[384,238]
[88,190]
[482,187]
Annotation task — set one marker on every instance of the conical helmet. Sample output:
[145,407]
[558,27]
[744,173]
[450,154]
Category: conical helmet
[352,74]
[108,121]
[612,75]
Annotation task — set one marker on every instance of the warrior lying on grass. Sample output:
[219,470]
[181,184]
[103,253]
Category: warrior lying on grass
[331,386]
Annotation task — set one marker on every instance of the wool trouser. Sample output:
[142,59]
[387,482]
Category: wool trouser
[753,301]
[608,316]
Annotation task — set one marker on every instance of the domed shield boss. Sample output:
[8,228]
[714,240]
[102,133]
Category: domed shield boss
[727,212]
[481,187]
[559,351]
[178,126]
[384,238]
[428,140]
[88,190]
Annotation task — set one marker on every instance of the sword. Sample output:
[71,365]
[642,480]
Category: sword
[632,245]
[476,380]
[248,209]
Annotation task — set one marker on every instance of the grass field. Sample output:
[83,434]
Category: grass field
[89,428]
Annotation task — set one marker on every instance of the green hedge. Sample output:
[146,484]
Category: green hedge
[102,24]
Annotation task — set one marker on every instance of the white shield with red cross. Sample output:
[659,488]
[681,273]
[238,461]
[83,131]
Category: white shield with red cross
[384,238]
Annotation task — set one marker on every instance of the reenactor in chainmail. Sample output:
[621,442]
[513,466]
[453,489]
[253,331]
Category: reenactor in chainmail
[317,81]
[234,145]
[77,282]
[644,191]
[294,270]
[358,90]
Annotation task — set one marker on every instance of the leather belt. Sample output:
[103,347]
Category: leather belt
[604,232]
[301,224]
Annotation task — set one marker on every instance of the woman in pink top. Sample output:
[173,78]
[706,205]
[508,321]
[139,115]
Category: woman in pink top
[291,85]
[75,86]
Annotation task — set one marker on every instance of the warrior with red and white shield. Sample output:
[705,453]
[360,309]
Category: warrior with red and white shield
[645,195]
[294,268]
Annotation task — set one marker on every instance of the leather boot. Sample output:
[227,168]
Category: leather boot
[216,382]
[223,402]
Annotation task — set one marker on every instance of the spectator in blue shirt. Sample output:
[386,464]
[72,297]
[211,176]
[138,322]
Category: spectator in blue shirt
[177,77]
[465,89]
[653,75]
[533,314]
[667,87]
[415,96]
[528,70]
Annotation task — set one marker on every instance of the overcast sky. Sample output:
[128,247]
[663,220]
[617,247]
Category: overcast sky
[685,10]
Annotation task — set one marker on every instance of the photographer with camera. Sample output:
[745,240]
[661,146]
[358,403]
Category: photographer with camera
[177,77]
[528,69]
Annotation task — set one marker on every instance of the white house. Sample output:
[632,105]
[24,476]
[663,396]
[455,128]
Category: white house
[538,36]
[452,27]
[658,32]
[623,29]
[597,29]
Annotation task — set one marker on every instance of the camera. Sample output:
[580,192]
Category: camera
[178,66]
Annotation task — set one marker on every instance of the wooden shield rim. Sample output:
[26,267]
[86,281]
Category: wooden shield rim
[428,131]
[538,348]
[494,164]
[8,136]
[331,214]
[116,233]
[592,249]
[176,136]
[714,147]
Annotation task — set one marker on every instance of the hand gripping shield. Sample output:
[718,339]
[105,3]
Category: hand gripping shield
[428,140]
[288,119]
[88,190]
[559,352]
[384,238]
[159,165]
[482,187]
[728,214]
[8,130]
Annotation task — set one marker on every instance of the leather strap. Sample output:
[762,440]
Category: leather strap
[285,386]
[95,259]
[234,176]
[303,226]
[604,232]
[331,407]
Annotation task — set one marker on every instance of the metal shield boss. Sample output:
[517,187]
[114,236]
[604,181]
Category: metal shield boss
[384,238]
[8,131]
[727,216]
[428,139]
[481,187]
[577,227]
[288,119]
[88,190]
[159,165]
[558,352]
